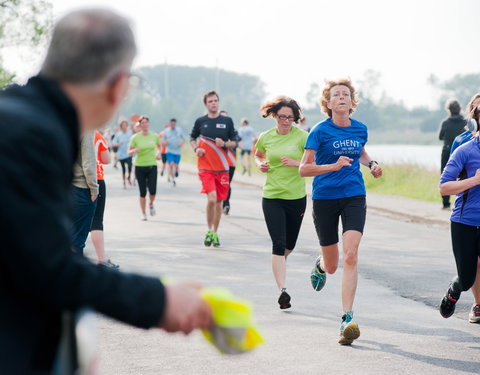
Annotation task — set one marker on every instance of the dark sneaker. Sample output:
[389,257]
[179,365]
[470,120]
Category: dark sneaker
[215,241]
[447,305]
[226,210]
[108,263]
[317,278]
[208,239]
[474,316]
[284,300]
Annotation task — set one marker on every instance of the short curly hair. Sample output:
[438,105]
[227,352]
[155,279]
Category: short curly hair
[325,98]
[270,109]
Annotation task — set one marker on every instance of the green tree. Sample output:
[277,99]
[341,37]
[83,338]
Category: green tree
[177,91]
[23,23]
[461,87]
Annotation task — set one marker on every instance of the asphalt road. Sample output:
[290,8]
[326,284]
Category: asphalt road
[404,270]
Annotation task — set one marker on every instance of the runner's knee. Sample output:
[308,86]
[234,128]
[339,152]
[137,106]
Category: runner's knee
[350,258]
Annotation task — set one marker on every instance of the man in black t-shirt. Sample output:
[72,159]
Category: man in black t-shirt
[211,137]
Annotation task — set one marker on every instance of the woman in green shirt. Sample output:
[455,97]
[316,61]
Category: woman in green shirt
[278,154]
[145,145]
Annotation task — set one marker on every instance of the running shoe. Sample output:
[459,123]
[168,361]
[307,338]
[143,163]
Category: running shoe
[226,210]
[152,210]
[215,241]
[474,316]
[349,330]
[162,172]
[317,278]
[208,239]
[144,217]
[447,305]
[284,300]
[108,263]
[176,174]
[174,183]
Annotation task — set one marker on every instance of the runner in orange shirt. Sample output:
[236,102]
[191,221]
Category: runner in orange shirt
[96,231]
[163,148]
[211,137]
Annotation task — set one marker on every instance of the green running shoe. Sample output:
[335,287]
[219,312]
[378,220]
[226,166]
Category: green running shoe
[349,330]
[215,241]
[317,278]
[208,239]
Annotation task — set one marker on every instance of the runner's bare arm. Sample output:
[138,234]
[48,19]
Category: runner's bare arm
[459,186]
[308,168]
[367,161]
[261,161]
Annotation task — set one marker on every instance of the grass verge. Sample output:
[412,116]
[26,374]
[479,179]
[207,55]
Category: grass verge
[407,180]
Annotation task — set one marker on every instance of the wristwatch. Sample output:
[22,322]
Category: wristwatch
[370,163]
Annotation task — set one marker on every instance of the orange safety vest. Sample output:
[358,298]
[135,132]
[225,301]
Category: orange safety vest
[215,159]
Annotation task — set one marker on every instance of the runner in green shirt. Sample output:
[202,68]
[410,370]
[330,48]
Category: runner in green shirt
[278,154]
[146,146]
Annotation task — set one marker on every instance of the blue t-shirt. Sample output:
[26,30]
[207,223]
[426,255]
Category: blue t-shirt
[124,139]
[247,134]
[467,157]
[461,139]
[174,138]
[330,142]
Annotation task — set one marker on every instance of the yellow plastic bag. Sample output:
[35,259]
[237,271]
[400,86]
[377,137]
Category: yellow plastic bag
[233,330]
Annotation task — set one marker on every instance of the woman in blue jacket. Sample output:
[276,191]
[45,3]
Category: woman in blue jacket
[461,176]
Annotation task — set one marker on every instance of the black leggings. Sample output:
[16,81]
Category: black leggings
[126,163]
[466,249]
[146,177]
[284,219]
[97,223]
[231,172]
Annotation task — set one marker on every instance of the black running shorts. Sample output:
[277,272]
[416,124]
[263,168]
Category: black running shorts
[326,213]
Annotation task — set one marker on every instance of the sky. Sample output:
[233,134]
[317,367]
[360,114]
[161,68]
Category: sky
[291,44]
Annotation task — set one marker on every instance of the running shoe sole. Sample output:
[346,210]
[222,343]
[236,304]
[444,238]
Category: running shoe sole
[284,301]
[350,332]
[317,279]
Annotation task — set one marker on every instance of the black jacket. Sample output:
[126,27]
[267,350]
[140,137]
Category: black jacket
[39,275]
[450,128]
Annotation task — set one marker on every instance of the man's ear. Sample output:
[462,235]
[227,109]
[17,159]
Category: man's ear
[117,90]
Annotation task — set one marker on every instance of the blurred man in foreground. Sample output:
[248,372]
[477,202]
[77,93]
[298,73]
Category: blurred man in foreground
[83,80]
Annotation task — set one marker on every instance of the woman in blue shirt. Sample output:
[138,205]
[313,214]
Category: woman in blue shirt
[333,153]
[461,176]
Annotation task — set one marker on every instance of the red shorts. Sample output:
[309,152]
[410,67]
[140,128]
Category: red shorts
[213,181]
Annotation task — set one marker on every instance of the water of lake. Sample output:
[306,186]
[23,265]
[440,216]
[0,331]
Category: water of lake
[424,155]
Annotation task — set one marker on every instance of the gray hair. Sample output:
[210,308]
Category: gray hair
[90,46]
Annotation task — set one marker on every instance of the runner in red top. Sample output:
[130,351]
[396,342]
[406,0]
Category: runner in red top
[211,137]
[163,149]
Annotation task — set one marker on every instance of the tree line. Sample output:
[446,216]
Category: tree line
[167,91]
